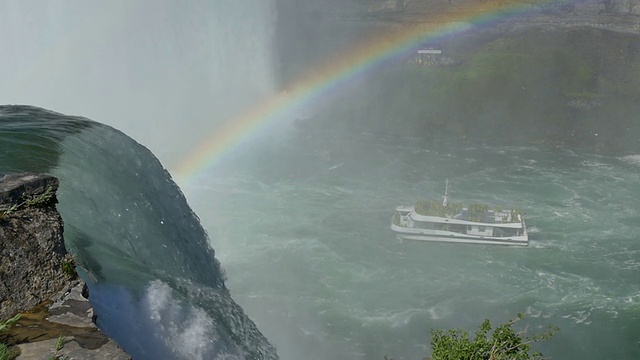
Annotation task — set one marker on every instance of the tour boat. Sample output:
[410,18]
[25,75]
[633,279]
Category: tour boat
[452,222]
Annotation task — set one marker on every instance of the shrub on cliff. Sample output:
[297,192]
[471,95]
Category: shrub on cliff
[503,343]
[7,353]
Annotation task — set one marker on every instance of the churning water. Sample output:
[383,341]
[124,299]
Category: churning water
[304,237]
[302,231]
[301,227]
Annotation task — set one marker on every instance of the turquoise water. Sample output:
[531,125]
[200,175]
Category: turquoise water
[154,282]
[300,225]
[301,229]
[303,235]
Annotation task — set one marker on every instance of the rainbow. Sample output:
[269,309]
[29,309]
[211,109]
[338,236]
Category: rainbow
[334,73]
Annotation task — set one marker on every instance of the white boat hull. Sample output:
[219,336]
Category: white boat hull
[415,234]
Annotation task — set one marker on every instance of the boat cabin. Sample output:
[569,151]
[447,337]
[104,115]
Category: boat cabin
[480,230]
[403,217]
[430,220]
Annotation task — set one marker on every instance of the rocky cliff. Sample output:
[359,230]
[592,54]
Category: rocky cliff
[536,73]
[33,251]
[38,280]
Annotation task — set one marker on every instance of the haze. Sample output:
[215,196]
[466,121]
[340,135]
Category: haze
[164,72]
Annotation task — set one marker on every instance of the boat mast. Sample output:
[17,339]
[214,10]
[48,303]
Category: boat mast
[445,201]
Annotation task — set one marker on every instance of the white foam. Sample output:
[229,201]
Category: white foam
[535,229]
[397,318]
[596,164]
[632,159]
[187,330]
[156,325]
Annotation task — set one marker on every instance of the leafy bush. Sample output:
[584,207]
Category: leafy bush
[503,343]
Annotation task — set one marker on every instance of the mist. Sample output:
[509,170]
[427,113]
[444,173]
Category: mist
[300,218]
[164,72]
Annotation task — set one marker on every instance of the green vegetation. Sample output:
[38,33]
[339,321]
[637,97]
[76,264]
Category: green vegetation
[435,208]
[39,200]
[7,353]
[527,87]
[6,324]
[69,267]
[476,211]
[503,343]
[59,345]
[29,201]
[4,214]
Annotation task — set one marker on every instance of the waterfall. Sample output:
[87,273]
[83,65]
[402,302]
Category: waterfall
[163,71]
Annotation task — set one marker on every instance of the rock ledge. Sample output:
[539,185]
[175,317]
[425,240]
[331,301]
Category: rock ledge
[38,280]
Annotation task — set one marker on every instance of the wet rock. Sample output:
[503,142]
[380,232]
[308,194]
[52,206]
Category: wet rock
[38,280]
[32,249]
[14,187]
[62,327]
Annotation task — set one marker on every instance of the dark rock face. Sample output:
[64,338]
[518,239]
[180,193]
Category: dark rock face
[37,278]
[31,243]
[15,188]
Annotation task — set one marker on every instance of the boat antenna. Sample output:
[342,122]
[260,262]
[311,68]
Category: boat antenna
[445,201]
